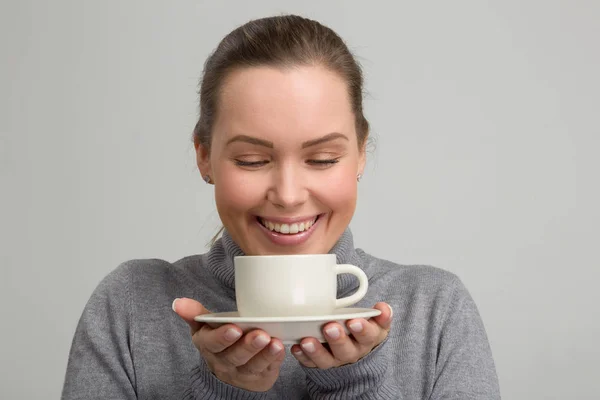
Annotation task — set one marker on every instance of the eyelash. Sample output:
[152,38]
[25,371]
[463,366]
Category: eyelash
[256,164]
[241,163]
[324,162]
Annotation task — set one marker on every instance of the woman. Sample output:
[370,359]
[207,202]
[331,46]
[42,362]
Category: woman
[281,136]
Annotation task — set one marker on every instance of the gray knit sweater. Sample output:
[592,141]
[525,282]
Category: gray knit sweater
[129,344]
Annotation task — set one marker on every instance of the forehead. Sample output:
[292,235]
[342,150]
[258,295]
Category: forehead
[300,102]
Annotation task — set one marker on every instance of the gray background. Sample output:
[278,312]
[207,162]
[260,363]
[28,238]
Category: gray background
[486,125]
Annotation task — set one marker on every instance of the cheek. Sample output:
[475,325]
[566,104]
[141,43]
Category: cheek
[338,192]
[236,194]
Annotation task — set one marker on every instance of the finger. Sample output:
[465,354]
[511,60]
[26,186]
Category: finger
[246,348]
[187,309]
[275,366]
[218,339]
[364,333]
[343,348]
[385,318]
[317,354]
[301,357]
[265,358]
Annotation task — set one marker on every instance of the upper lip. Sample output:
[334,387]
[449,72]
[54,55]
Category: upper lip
[289,220]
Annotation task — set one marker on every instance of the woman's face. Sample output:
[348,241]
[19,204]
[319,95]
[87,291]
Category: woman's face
[284,159]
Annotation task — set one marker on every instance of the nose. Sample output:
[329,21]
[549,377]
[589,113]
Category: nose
[288,189]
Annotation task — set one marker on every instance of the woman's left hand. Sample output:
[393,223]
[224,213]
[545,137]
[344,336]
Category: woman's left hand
[345,349]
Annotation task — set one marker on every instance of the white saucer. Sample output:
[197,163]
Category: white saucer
[290,330]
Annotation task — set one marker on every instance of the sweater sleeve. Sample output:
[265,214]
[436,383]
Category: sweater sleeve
[365,379]
[464,368]
[100,365]
[205,385]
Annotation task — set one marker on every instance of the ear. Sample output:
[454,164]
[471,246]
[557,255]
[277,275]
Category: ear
[203,160]
[362,157]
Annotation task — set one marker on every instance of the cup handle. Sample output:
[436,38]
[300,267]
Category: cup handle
[362,288]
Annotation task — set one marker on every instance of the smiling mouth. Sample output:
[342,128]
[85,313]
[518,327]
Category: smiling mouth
[288,229]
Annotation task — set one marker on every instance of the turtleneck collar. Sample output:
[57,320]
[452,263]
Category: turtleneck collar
[221,254]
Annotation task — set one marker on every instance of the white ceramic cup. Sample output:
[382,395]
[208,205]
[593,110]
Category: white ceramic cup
[292,285]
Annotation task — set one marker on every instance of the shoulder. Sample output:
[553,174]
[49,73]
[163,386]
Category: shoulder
[148,275]
[411,275]
[426,285]
[426,293]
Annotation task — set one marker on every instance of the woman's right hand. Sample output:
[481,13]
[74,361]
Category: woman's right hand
[251,361]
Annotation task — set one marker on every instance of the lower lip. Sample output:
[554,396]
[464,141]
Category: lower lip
[293,239]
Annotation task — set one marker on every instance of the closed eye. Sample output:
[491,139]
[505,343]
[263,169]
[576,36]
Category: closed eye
[251,164]
[323,163]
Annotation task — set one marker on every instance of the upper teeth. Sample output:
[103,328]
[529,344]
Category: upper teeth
[288,228]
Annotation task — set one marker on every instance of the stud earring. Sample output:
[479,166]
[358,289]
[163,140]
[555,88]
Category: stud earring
[358,177]
[207,178]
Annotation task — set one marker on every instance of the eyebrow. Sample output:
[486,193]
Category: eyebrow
[251,140]
[324,139]
[260,142]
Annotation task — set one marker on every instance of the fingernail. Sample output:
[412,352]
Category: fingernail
[275,348]
[332,332]
[391,311]
[173,305]
[308,347]
[232,334]
[298,353]
[356,327]
[260,341]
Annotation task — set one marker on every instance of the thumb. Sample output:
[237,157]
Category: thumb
[385,318]
[187,309]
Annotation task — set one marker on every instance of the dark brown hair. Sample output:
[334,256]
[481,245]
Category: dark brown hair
[281,41]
